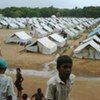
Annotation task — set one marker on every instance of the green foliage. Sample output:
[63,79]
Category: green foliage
[91,11]
[48,12]
[0,11]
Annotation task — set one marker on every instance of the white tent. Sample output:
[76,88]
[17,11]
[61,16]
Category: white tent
[74,31]
[53,16]
[82,26]
[95,37]
[38,32]
[79,28]
[3,22]
[86,24]
[21,25]
[55,26]
[47,28]
[62,25]
[42,45]
[70,24]
[19,37]
[90,49]
[94,32]
[75,21]
[46,46]
[36,25]
[58,39]
[33,47]
[12,25]
[69,33]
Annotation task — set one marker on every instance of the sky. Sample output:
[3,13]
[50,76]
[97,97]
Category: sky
[47,3]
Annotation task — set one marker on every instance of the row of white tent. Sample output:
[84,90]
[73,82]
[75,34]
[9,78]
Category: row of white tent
[71,32]
[45,23]
[45,45]
[37,31]
[11,23]
[71,26]
[41,27]
[90,47]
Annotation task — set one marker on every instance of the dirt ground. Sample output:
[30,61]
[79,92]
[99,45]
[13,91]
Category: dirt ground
[82,89]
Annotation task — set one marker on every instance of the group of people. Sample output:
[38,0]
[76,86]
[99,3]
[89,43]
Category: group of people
[58,86]
[38,96]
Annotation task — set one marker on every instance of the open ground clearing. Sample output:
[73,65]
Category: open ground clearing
[82,89]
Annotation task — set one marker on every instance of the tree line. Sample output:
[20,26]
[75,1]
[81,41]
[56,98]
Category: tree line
[49,11]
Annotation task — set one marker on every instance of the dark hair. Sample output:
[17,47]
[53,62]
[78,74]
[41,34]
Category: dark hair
[18,69]
[39,90]
[63,59]
[3,68]
[24,96]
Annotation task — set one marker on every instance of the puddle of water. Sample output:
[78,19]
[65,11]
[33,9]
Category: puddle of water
[45,72]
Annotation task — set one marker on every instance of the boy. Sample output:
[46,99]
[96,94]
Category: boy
[59,86]
[39,95]
[6,83]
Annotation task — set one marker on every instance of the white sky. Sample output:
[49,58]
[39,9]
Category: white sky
[47,3]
